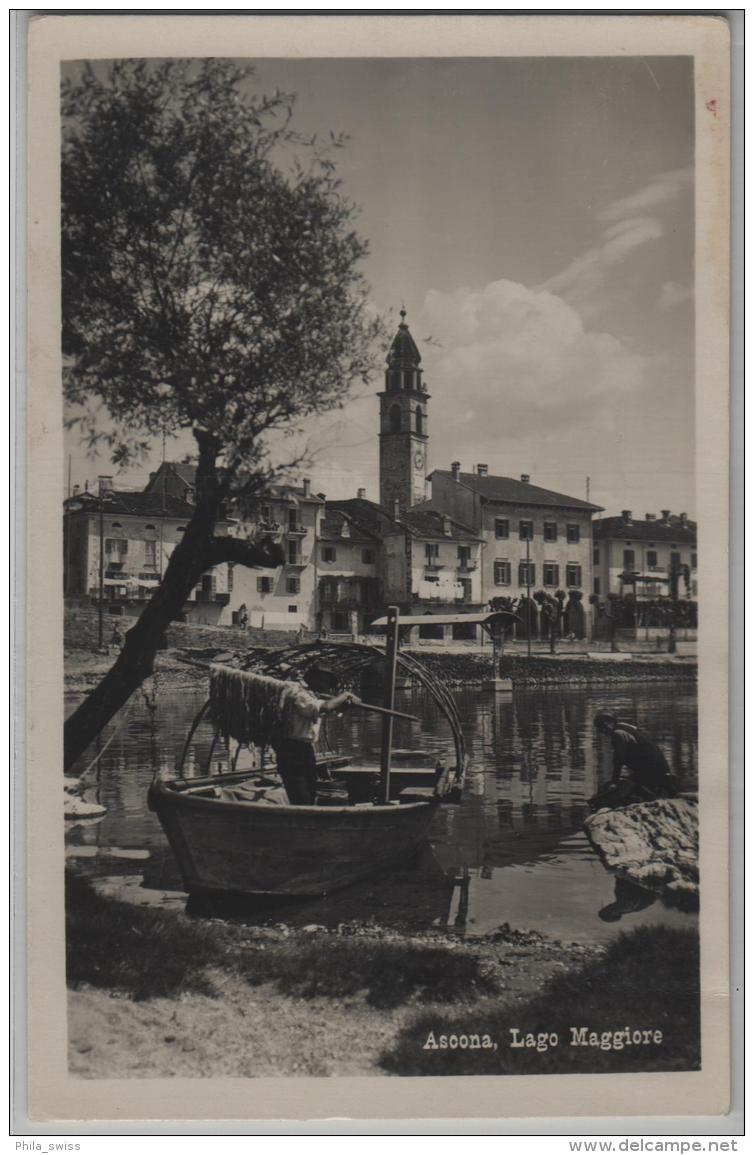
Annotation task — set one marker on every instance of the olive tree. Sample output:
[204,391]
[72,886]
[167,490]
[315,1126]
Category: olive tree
[211,285]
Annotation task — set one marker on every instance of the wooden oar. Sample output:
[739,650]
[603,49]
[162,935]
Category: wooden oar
[356,702]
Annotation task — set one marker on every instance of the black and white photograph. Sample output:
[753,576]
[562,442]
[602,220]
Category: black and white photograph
[381,595]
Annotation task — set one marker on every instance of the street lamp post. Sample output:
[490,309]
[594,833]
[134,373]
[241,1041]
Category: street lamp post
[101,599]
[528,597]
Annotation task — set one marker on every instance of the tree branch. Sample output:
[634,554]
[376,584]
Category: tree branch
[265,554]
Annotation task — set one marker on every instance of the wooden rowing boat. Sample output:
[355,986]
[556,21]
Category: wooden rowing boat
[228,842]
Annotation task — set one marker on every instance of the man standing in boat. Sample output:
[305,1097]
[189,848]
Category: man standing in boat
[640,769]
[296,760]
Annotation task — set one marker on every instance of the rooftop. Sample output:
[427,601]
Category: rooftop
[403,352]
[129,504]
[514,491]
[640,529]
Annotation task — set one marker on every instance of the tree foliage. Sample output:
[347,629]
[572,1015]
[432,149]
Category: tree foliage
[211,284]
[209,260]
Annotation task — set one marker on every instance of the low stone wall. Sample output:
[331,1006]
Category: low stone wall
[461,668]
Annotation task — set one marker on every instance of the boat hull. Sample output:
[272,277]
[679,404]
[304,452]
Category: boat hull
[250,848]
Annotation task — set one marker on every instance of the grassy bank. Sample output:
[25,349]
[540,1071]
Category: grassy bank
[154,993]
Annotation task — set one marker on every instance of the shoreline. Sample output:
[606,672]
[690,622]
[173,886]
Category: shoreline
[156,993]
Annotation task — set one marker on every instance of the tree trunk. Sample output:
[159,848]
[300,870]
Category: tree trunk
[197,552]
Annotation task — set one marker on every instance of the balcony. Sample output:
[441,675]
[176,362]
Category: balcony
[433,566]
[209,597]
[296,529]
[467,566]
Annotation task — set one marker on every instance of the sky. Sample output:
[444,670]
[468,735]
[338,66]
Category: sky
[536,218]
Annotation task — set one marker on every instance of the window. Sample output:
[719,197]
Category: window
[209,583]
[466,583]
[149,527]
[292,518]
[551,531]
[502,528]
[628,559]
[464,632]
[367,556]
[328,553]
[116,545]
[595,556]
[597,585]
[293,554]
[341,621]
[292,585]
[502,573]
[264,585]
[551,573]
[675,561]
[522,573]
[117,525]
[651,558]
[395,419]
[292,609]
[150,553]
[526,530]
[431,552]
[434,632]
[266,513]
[693,561]
[419,419]
[464,554]
[230,577]
[573,575]
[573,534]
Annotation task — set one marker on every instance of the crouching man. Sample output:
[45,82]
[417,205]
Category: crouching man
[640,769]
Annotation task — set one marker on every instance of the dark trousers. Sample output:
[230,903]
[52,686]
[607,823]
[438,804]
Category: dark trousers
[297,766]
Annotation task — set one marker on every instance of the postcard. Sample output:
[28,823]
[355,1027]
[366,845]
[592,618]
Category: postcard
[376,747]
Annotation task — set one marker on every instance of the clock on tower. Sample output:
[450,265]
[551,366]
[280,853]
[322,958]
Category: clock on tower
[403,424]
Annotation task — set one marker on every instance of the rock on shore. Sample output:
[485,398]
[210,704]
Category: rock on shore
[653,844]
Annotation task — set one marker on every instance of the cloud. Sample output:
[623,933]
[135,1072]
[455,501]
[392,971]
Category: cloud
[665,187]
[628,227]
[519,358]
[672,294]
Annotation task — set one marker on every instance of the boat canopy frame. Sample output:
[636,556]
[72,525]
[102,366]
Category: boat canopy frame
[343,663]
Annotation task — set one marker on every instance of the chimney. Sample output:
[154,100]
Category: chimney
[397,509]
[665,514]
[455,469]
[105,482]
[526,478]
[361,493]
[447,528]
[481,470]
[649,516]
[307,484]
[683,518]
[626,515]
[76,490]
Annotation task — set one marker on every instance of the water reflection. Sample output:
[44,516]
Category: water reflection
[513,851]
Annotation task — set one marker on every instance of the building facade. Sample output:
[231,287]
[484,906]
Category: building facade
[283,598]
[635,556]
[349,565]
[533,538]
[139,532]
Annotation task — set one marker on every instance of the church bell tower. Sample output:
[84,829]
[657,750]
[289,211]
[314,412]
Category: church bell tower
[403,424]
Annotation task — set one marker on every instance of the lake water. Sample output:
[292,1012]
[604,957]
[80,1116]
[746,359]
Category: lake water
[513,851]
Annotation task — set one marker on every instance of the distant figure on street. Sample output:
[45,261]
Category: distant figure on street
[323,634]
[117,639]
[243,616]
[640,769]
[301,634]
